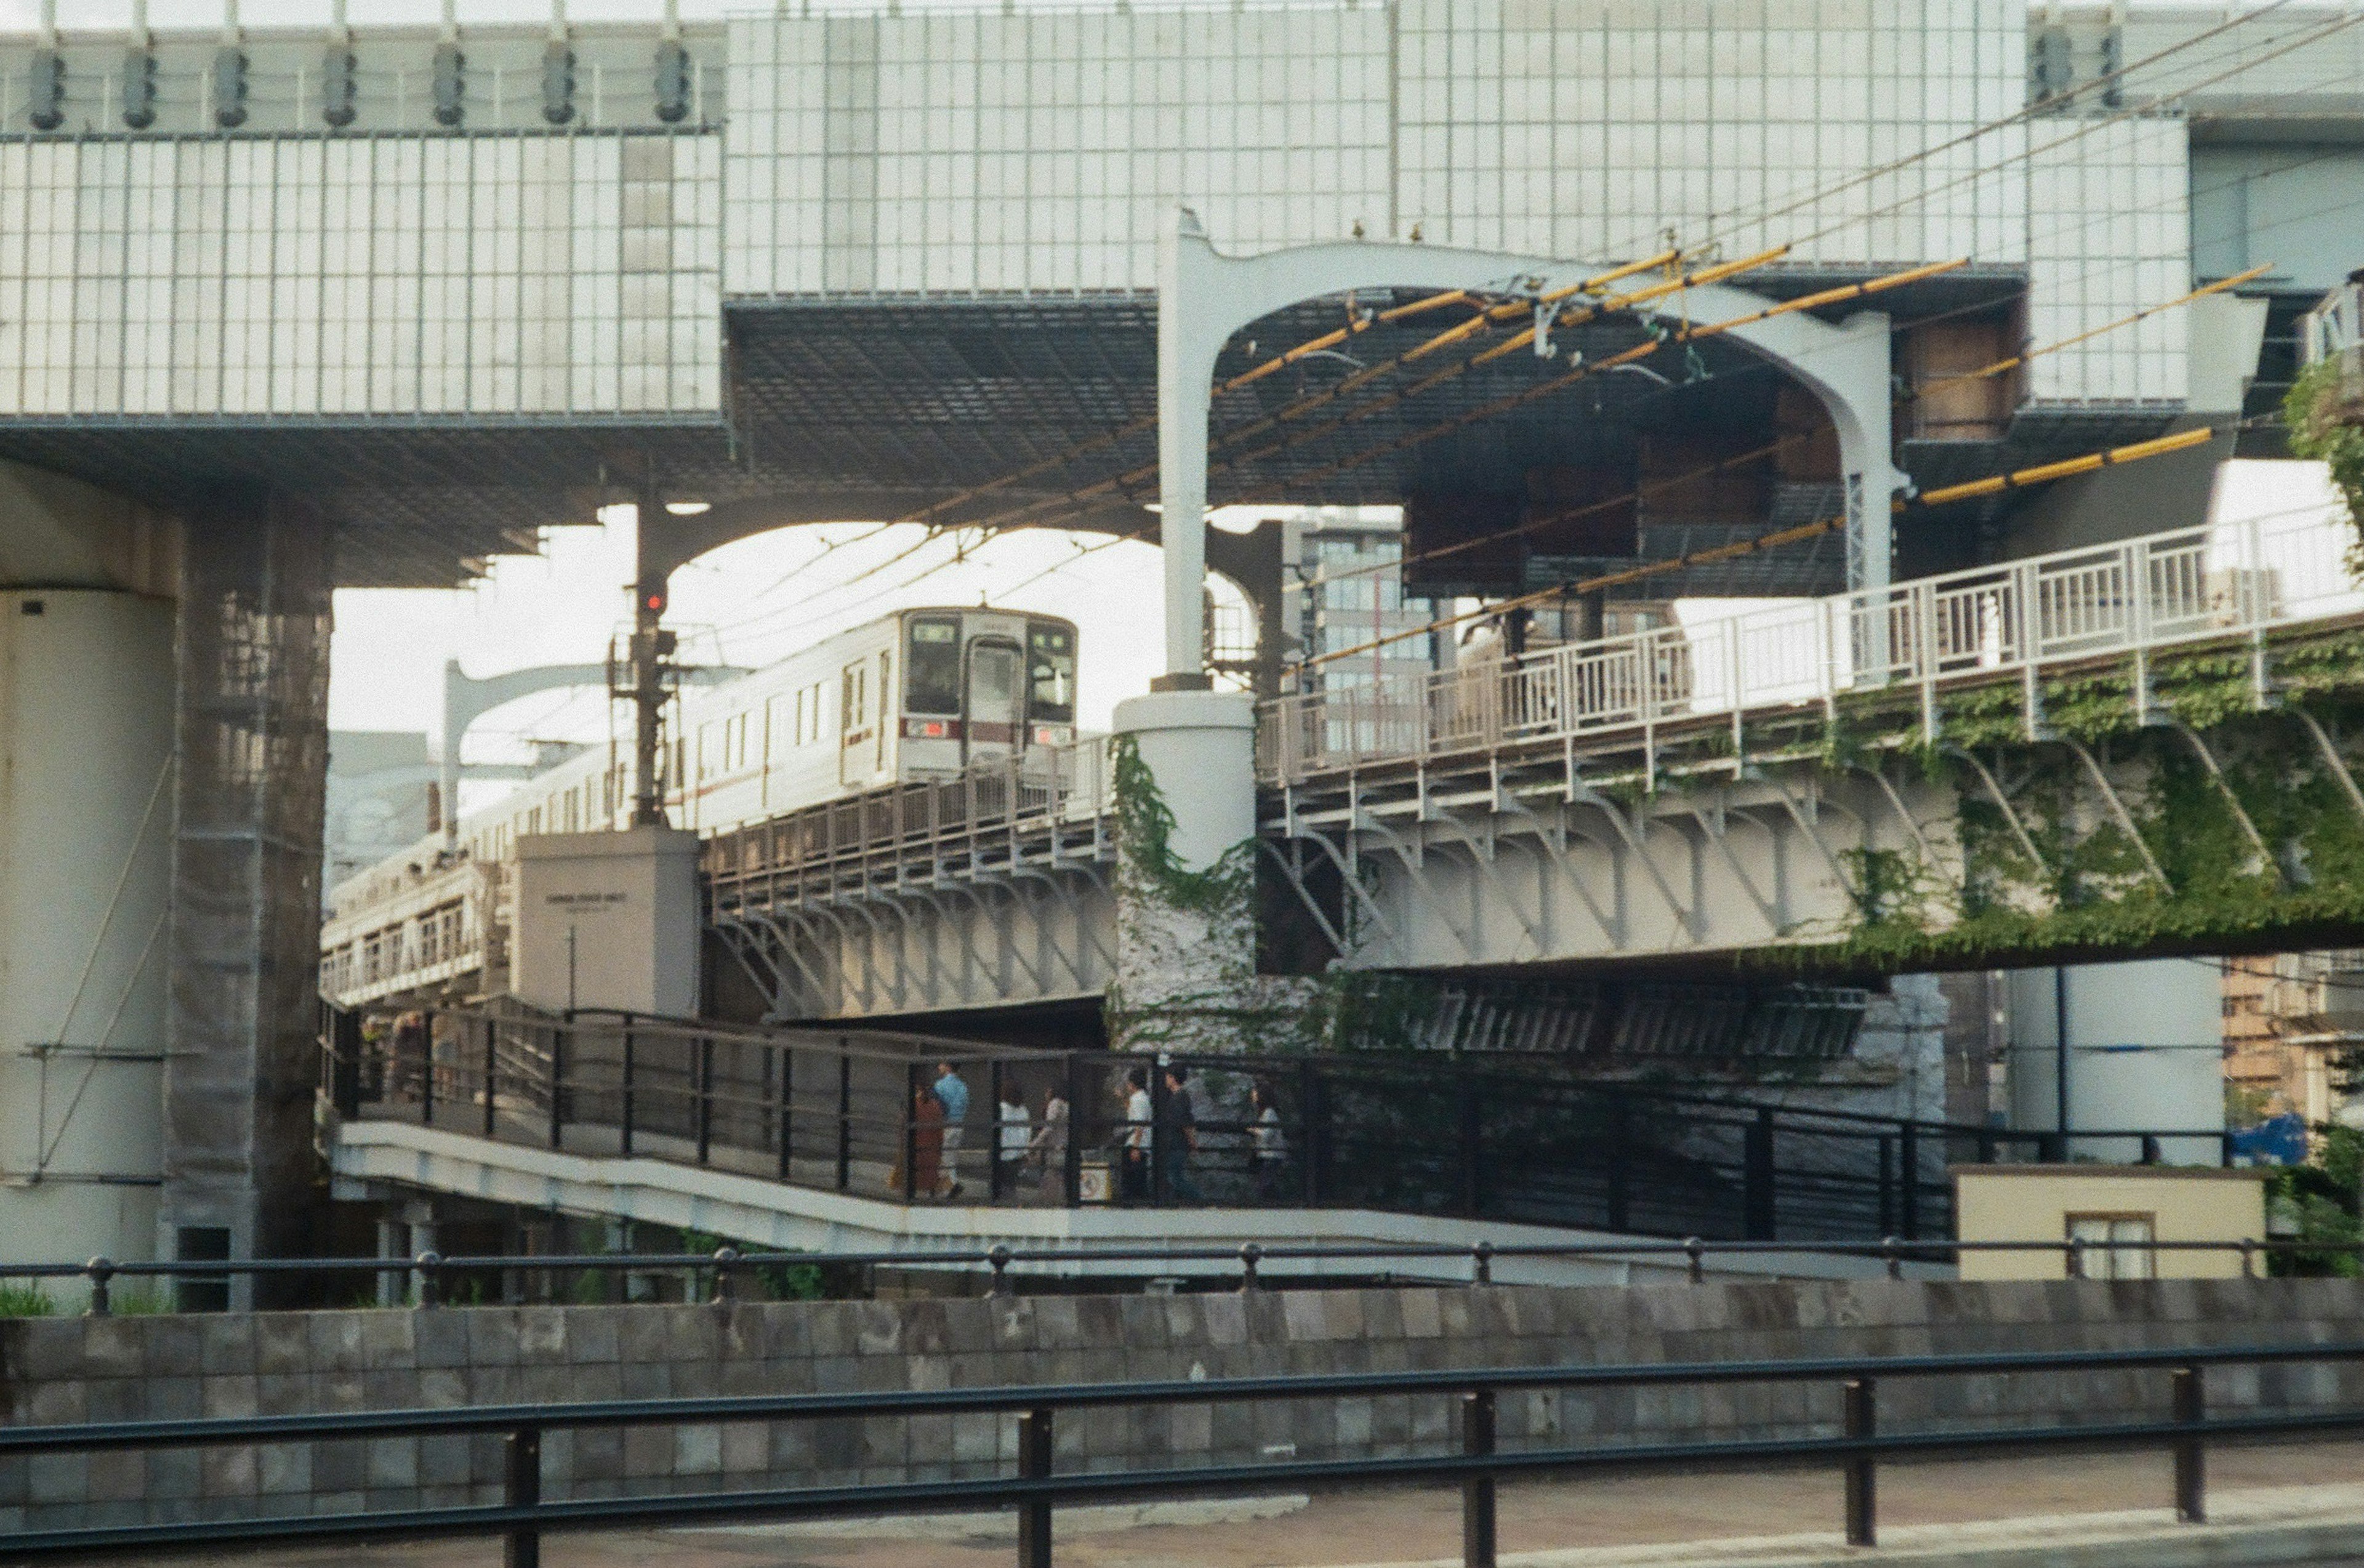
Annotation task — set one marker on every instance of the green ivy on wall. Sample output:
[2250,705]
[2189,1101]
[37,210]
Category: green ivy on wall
[2320,428]
[1145,826]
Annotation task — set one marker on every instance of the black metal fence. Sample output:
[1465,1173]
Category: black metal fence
[428,1280]
[1036,1490]
[869,1113]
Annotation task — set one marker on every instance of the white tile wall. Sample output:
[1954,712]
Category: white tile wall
[493,274]
[2108,234]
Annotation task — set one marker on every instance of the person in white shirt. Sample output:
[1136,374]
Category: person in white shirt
[1271,1143]
[1137,1136]
[1013,1139]
[1049,1149]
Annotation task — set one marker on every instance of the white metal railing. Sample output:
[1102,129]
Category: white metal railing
[2333,327]
[983,810]
[2194,584]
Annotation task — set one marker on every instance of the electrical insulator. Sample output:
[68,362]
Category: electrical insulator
[139,89]
[557,83]
[229,86]
[673,81]
[451,85]
[48,90]
[339,87]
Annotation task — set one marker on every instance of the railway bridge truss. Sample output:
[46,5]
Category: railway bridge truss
[992,888]
[2109,750]
[2101,753]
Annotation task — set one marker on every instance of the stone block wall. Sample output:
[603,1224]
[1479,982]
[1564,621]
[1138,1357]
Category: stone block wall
[73,1370]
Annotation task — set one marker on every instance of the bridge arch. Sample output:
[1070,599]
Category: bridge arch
[1205,296]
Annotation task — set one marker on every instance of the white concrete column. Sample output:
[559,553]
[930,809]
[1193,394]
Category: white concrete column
[1851,377]
[1185,961]
[2145,1053]
[1188,343]
[86,684]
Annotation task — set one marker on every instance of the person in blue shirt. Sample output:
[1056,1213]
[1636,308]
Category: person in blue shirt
[952,1092]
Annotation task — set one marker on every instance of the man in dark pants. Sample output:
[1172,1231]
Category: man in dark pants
[1177,1136]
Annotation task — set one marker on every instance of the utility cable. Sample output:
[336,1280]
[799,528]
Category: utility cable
[1690,475]
[1773,448]
[2047,108]
[2148,108]
[1358,322]
[1118,483]
[2050,106]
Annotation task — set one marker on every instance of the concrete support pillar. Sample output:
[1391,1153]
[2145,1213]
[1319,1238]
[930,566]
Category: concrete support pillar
[1186,917]
[252,736]
[86,585]
[85,842]
[1851,377]
[2145,1052]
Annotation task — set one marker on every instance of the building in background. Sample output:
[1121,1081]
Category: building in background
[381,798]
[1346,582]
[2287,1018]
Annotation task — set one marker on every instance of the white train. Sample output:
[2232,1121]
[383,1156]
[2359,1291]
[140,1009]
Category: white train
[915,695]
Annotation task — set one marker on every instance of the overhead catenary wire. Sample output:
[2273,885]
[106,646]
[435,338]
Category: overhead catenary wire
[2051,105]
[1770,448]
[1122,483]
[1403,312]
[1358,322]
[2148,108]
[1998,368]
[2045,108]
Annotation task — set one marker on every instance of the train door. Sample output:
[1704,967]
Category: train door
[856,742]
[994,709]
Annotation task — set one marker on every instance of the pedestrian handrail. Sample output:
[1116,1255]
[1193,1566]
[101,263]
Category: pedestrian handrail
[1036,1490]
[718,1274]
[1417,1132]
[1983,624]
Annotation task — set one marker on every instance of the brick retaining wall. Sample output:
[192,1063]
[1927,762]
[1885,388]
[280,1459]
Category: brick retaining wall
[73,1370]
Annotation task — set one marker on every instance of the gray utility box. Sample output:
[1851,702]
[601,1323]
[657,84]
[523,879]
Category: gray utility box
[608,921]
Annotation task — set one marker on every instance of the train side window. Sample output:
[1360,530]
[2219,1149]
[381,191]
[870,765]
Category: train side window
[1050,673]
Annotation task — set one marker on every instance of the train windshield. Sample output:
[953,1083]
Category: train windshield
[932,672]
[1050,672]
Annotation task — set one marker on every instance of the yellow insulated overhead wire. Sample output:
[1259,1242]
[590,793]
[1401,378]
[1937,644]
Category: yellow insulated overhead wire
[1983,371]
[2041,474]
[1638,352]
[2219,286]
[1117,484]
[1356,324]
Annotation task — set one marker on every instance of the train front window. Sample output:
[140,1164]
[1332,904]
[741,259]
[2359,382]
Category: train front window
[1050,673]
[933,673]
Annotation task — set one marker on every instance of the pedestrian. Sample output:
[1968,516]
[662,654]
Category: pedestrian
[1177,1136]
[952,1092]
[1137,1136]
[1270,1140]
[1013,1141]
[1048,1152]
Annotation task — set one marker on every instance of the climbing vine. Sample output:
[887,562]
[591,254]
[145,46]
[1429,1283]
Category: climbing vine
[1145,826]
[2324,421]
